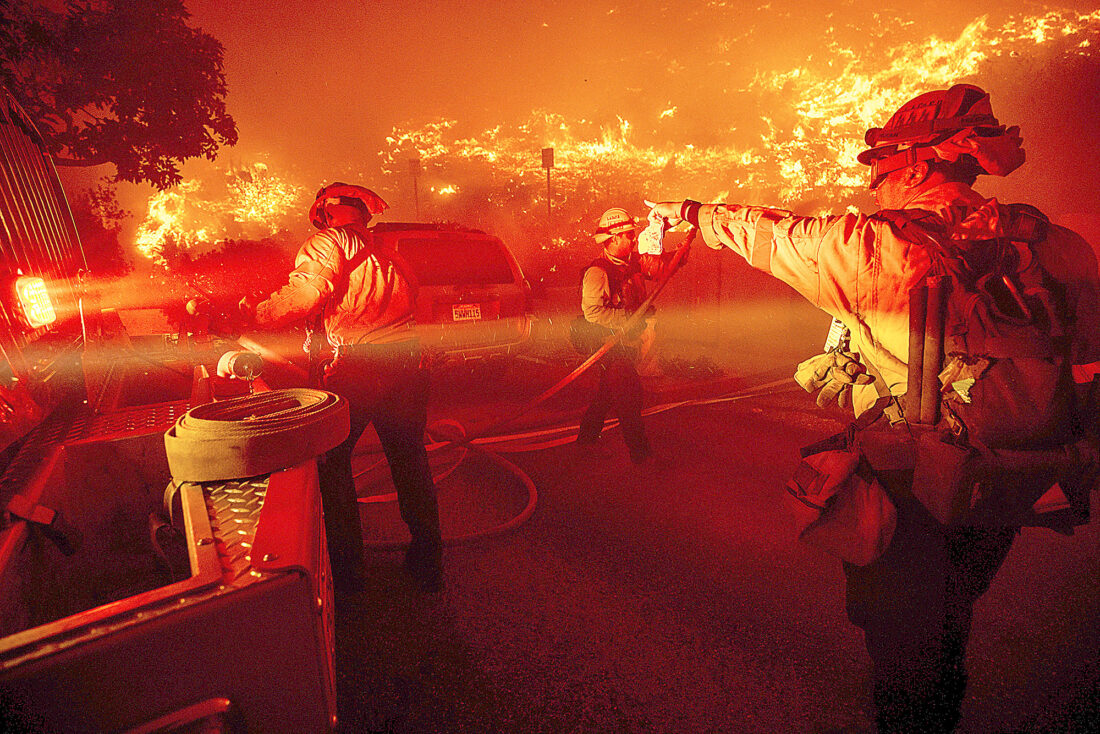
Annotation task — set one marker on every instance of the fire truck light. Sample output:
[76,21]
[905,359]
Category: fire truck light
[35,300]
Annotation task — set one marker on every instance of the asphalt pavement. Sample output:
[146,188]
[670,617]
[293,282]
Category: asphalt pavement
[676,598]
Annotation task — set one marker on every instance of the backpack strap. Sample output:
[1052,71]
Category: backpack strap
[372,246]
[614,275]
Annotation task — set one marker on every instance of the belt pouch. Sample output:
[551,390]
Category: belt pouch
[841,507]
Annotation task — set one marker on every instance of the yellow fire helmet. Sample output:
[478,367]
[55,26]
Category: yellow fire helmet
[944,125]
[614,221]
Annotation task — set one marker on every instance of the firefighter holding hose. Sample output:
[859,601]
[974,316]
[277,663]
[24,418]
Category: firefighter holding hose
[914,596]
[612,288]
[364,295]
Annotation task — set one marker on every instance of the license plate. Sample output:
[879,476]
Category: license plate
[466,311]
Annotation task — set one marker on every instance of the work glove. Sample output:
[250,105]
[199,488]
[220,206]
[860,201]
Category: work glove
[246,307]
[832,374]
[686,247]
[652,238]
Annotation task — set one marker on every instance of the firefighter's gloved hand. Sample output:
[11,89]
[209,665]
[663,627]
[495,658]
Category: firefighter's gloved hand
[667,210]
[247,308]
[812,374]
[683,258]
[833,374]
[198,307]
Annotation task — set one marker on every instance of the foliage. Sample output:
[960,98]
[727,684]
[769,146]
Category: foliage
[117,82]
[99,220]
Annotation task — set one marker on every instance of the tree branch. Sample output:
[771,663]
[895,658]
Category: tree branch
[81,162]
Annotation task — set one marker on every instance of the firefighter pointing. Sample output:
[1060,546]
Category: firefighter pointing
[970,316]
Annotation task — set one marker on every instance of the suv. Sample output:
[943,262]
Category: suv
[472,300]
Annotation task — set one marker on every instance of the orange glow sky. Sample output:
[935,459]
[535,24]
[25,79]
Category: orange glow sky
[317,87]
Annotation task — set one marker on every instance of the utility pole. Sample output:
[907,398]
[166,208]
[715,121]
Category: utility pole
[414,169]
[547,163]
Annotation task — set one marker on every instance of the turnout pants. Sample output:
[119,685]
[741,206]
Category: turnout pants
[619,388]
[915,605]
[384,385]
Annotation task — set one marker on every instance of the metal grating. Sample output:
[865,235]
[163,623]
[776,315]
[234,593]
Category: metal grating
[136,421]
[234,509]
[43,439]
[61,429]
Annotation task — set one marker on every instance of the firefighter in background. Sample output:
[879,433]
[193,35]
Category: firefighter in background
[612,288]
[915,601]
[365,296]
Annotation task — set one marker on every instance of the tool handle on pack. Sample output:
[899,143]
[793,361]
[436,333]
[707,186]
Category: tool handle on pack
[933,349]
[918,312]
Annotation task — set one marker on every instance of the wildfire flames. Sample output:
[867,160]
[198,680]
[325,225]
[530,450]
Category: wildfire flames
[794,142]
[254,203]
[813,123]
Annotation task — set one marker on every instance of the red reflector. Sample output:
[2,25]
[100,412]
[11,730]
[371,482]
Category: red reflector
[35,301]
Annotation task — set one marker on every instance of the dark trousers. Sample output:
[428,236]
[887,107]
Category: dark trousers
[915,606]
[386,386]
[619,388]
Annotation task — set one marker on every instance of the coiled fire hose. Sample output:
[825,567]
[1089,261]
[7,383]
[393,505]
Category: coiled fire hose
[255,434]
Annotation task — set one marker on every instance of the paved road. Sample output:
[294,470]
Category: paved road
[676,600]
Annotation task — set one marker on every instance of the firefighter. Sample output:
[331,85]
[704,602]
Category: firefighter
[364,296]
[915,601]
[612,288]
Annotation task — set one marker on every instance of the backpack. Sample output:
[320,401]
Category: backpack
[990,378]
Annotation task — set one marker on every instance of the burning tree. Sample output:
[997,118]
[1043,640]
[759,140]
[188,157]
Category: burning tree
[224,237]
[249,204]
[119,82]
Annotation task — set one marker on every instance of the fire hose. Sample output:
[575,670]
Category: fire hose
[255,434]
[467,441]
[538,440]
[249,436]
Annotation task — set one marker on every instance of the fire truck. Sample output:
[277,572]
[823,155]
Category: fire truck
[130,600]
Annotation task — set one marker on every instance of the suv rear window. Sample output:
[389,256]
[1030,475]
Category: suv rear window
[456,261]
